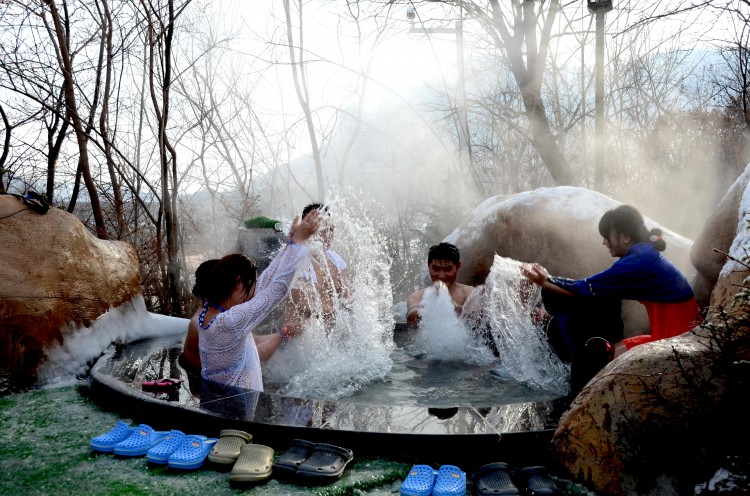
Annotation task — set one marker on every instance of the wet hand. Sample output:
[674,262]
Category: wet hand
[302,230]
[535,273]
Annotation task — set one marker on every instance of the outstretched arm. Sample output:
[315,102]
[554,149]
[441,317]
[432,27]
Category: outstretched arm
[539,275]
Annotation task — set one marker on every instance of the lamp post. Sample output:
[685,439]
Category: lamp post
[464,143]
[599,9]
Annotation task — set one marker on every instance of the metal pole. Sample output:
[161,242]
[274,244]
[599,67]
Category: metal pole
[464,143]
[600,141]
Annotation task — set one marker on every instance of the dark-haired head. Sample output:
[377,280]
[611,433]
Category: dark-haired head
[326,227]
[202,274]
[628,221]
[226,274]
[314,206]
[444,251]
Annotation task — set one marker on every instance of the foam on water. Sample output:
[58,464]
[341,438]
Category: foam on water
[82,345]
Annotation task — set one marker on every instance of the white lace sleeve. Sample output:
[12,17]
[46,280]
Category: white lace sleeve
[273,285]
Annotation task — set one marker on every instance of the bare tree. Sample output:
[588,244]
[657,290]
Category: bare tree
[104,131]
[299,73]
[160,22]
[59,39]
[522,31]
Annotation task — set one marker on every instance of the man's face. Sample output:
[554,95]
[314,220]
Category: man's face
[443,270]
[325,231]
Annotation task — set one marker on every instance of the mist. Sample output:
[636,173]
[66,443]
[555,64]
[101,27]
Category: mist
[417,120]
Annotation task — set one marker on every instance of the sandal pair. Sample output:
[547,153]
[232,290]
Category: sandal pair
[423,480]
[250,462]
[181,451]
[313,463]
[165,385]
[498,479]
[173,448]
[124,440]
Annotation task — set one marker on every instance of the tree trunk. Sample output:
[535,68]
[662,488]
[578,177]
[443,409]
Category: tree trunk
[300,86]
[167,154]
[6,147]
[81,138]
[522,41]
[106,21]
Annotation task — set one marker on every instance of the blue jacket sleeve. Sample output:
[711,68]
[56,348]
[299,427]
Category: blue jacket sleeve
[643,274]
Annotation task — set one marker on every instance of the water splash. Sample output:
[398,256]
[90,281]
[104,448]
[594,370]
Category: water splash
[335,357]
[443,335]
[503,310]
[510,306]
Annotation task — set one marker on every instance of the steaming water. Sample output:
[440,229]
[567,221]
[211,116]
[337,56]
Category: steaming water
[446,363]
[446,360]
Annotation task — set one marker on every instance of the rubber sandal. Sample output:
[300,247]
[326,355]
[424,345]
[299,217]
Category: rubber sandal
[160,453]
[419,482]
[450,481]
[494,479]
[142,439]
[325,464]
[536,481]
[228,448]
[253,465]
[289,462]
[106,442]
[166,385]
[192,452]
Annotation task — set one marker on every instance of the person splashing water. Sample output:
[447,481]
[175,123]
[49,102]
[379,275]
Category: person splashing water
[335,357]
[499,319]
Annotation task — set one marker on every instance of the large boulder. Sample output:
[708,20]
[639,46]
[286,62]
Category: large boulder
[55,276]
[557,227]
[664,407]
[715,240]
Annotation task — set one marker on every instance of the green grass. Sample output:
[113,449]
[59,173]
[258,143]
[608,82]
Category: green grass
[44,450]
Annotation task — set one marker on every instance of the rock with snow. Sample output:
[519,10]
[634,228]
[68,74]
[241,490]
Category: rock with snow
[718,237]
[55,275]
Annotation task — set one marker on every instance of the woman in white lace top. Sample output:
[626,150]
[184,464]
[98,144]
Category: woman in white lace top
[235,305]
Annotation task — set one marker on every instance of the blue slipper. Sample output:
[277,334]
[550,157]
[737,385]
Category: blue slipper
[160,453]
[419,482]
[192,452]
[142,439]
[106,442]
[450,481]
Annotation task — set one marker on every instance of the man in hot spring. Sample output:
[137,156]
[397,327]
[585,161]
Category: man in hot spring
[324,285]
[443,263]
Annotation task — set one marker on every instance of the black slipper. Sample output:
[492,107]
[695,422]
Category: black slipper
[325,464]
[289,462]
[535,481]
[494,479]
